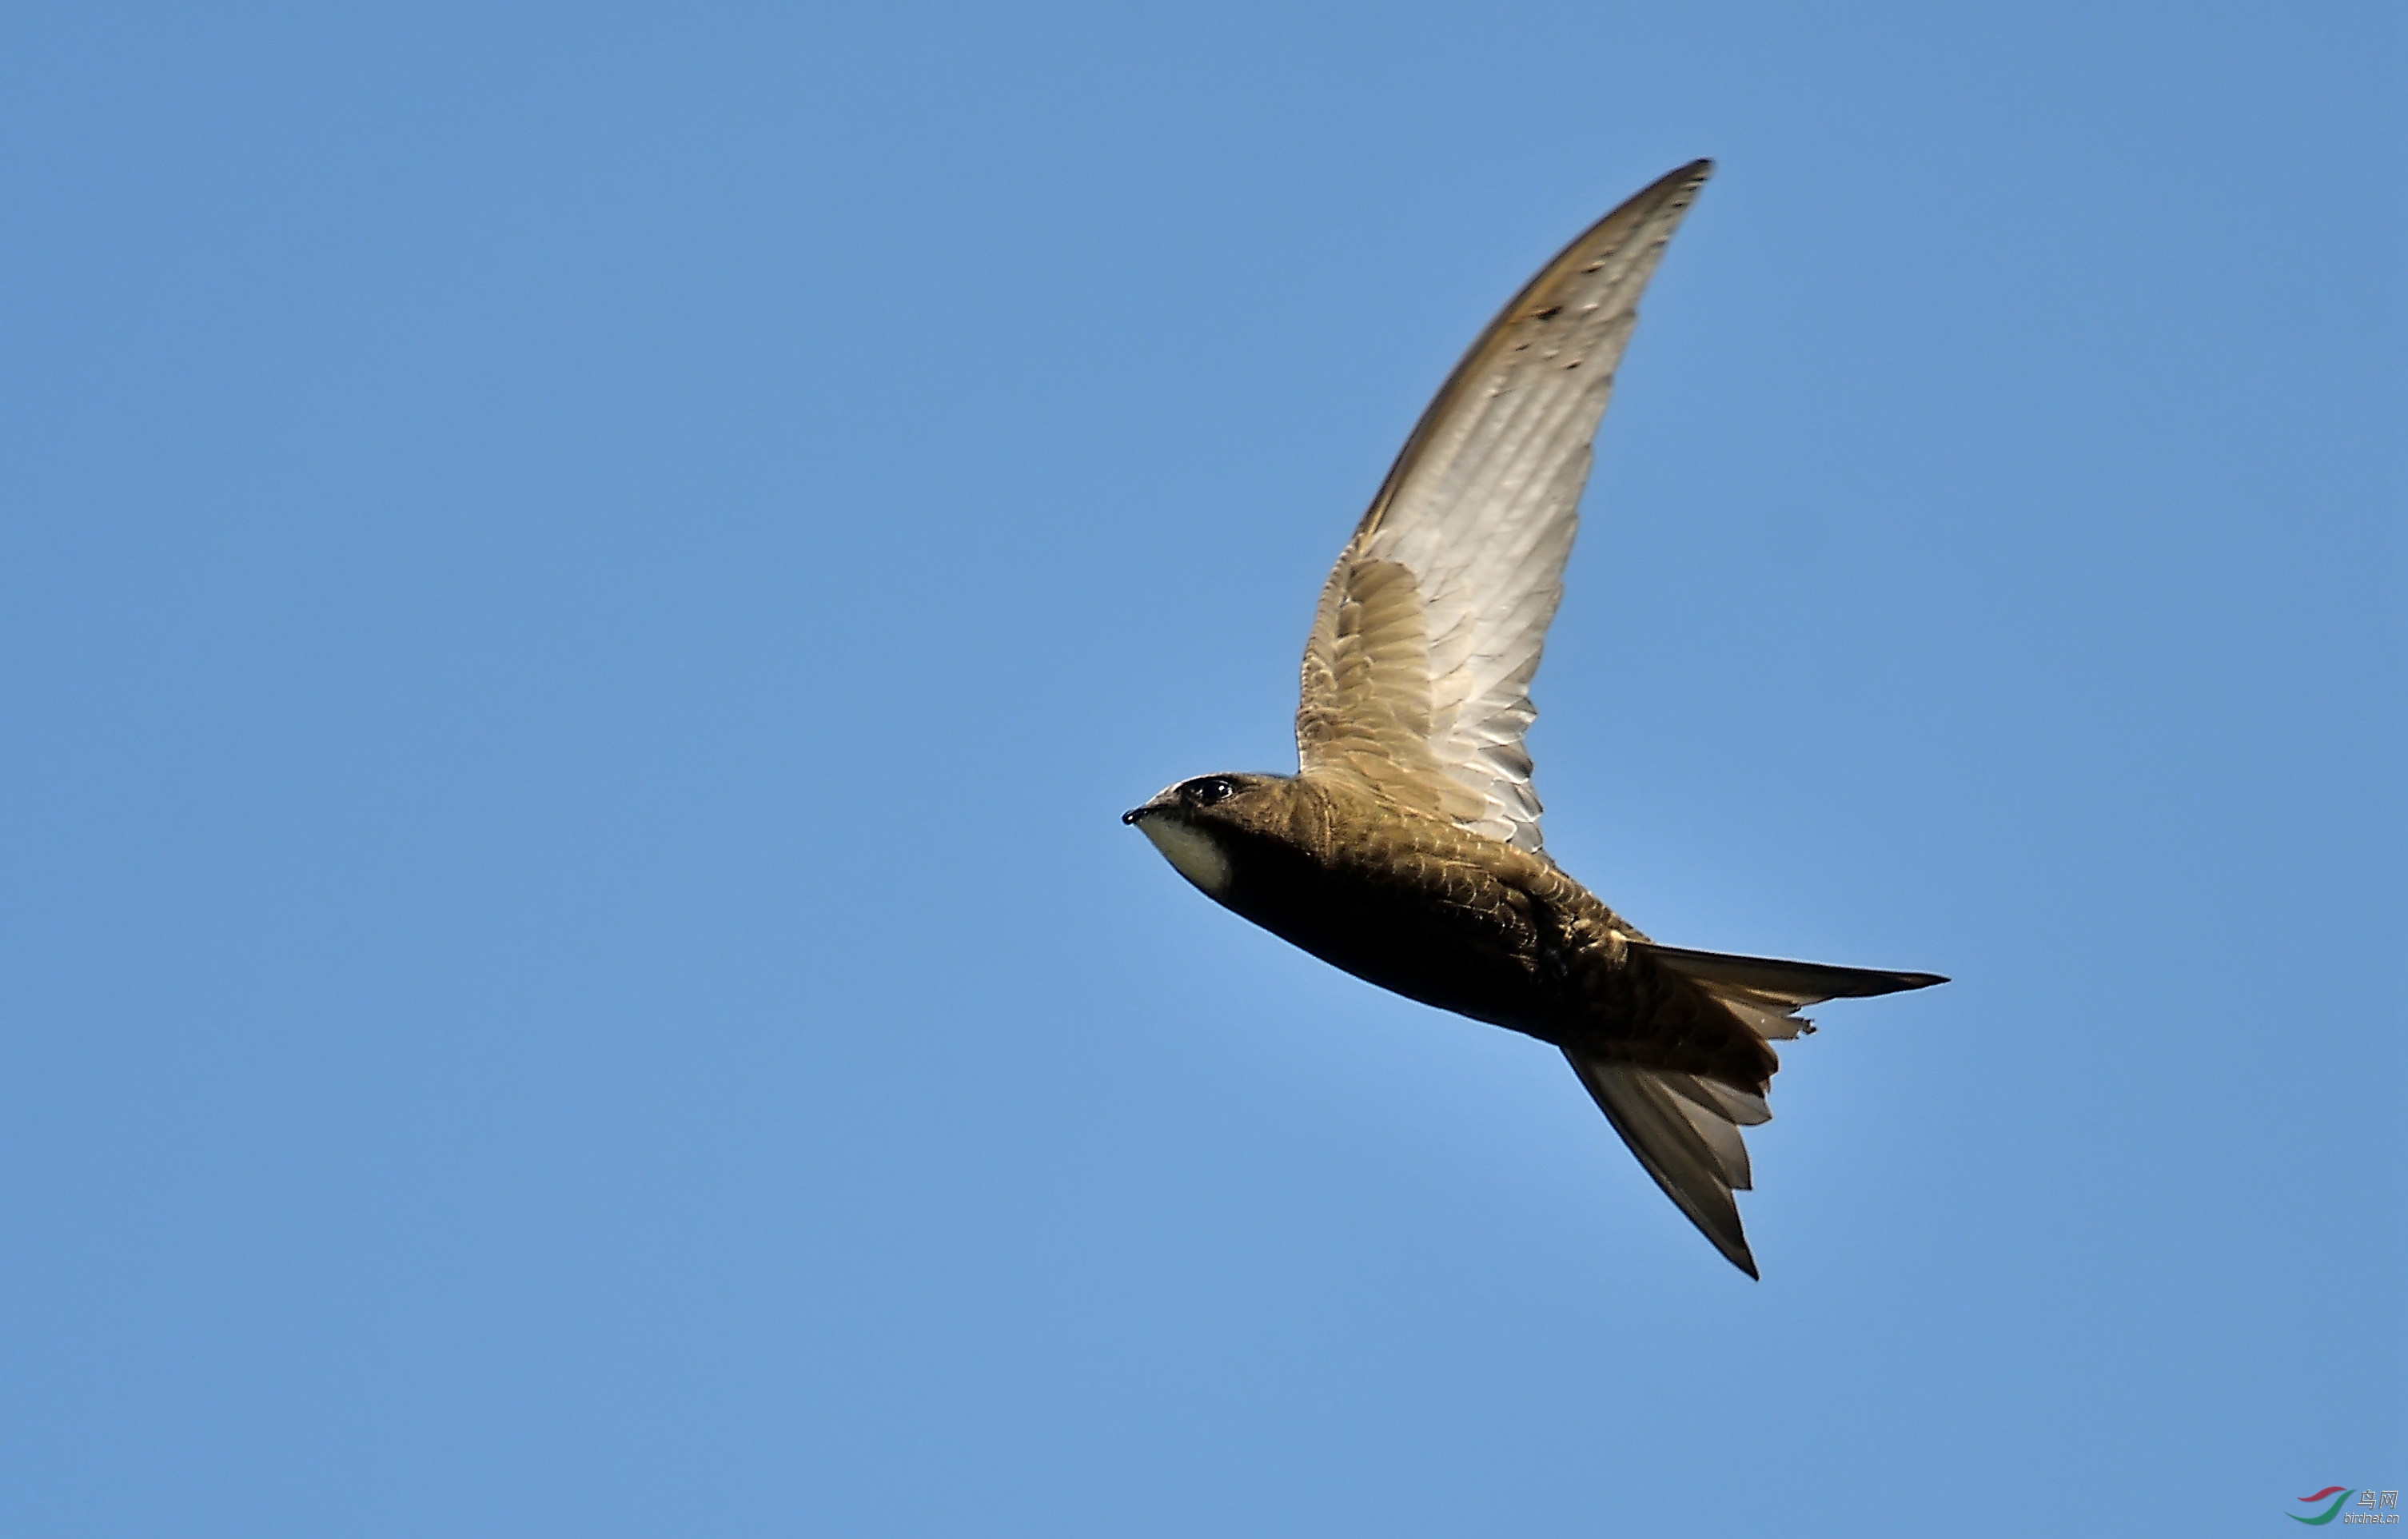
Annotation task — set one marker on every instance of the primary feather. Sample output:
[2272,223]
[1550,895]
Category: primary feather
[1416,680]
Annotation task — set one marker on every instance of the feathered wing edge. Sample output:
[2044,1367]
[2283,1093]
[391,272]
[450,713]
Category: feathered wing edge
[1685,1128]
[1429,701]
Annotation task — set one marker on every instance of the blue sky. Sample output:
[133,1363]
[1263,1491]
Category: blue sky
[579,592]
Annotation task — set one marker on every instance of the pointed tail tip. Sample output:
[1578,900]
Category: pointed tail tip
[1735,1250]
[1896,982]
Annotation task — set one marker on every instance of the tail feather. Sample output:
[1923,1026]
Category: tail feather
[1715,1128]
[1766,992]
[1694,1154]
[1685,1128]
[1793,983]
[1726,1101]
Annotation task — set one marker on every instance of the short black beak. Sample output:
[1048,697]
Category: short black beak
[1163,802]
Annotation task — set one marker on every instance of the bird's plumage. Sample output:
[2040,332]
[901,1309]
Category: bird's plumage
[1407,849]
[1417,675]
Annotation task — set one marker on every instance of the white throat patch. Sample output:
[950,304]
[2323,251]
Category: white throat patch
[1191,851]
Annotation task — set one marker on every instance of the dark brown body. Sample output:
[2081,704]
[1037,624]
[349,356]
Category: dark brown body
[1439,915]
[1406,850]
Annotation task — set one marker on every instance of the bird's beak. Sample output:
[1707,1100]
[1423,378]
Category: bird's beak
[1163,801]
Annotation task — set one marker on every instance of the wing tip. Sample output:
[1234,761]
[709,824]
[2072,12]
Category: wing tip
[1687,177]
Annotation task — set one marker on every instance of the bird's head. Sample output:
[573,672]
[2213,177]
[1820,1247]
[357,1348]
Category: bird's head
[1194,823]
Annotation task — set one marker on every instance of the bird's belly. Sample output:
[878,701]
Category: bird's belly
[1463,945]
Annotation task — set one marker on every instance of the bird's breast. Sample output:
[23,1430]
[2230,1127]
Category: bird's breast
[1429,923]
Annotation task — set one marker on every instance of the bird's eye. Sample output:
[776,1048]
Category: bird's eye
[1206,792]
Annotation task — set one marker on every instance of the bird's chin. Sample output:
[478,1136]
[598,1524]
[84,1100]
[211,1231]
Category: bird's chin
[1192,851]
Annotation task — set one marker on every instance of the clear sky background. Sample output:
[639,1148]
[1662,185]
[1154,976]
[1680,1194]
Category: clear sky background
[580,591]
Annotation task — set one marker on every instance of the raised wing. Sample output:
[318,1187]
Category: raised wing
[1417,676]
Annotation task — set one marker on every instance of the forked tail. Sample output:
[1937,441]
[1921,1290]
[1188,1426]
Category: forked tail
[1685,1128]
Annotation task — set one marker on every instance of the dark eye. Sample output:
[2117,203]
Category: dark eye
[1206,792]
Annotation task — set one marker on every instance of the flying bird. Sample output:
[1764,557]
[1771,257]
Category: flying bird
[1406,847]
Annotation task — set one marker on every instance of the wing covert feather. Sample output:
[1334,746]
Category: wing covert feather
[1416,680]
